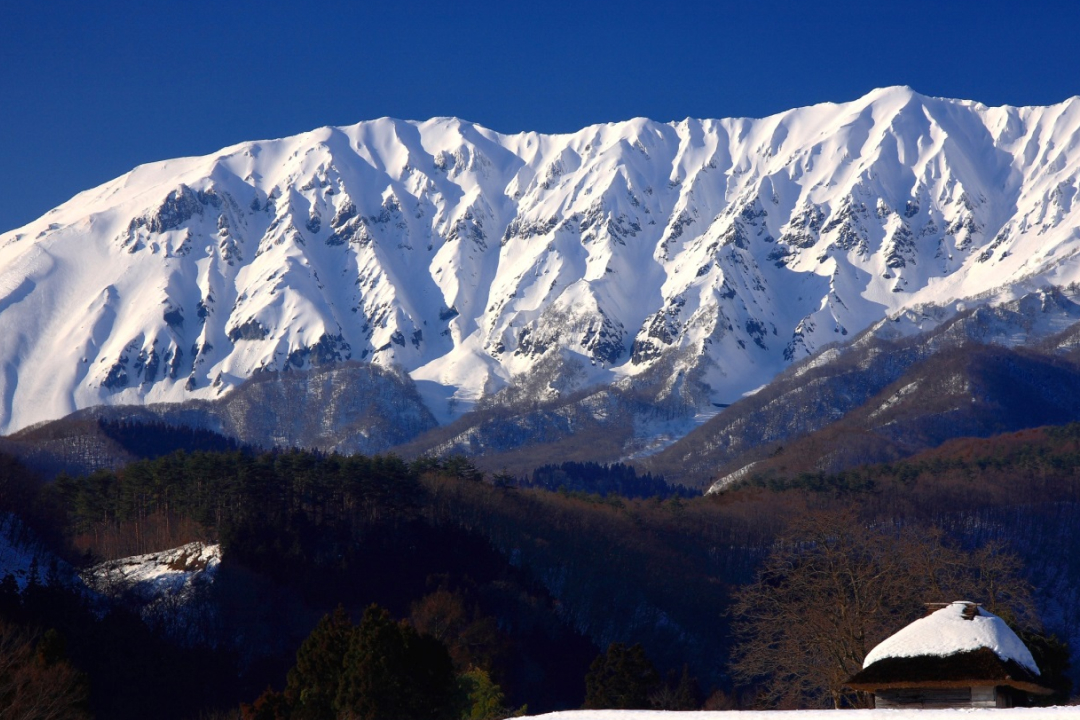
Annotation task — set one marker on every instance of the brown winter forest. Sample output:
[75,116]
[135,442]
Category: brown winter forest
[533,587]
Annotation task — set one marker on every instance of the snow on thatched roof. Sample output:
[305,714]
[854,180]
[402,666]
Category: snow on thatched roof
[958,627]
[968,668]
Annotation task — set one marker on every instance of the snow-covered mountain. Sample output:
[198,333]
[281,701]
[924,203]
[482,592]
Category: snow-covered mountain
[698,258]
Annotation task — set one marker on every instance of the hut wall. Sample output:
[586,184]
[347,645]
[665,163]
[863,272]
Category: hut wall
[938,697]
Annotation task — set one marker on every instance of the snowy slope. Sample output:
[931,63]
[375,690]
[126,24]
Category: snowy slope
[168,589]
[712,253]
[155,575]
[27,560]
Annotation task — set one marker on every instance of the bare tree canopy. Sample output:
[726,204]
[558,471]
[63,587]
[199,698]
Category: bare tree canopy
[36,682]
[833,588]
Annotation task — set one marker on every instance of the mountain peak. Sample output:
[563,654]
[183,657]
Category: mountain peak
[901,92]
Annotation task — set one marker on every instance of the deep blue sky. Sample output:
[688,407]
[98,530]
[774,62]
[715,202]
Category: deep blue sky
[89,89]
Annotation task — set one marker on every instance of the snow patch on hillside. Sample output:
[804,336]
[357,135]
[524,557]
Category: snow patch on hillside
[730,478]
[155,577]
[168,590]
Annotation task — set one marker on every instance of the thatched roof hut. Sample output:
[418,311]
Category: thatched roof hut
[957,656]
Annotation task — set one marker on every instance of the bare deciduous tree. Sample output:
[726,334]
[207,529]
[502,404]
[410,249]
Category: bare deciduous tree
[34,685]
[833,588]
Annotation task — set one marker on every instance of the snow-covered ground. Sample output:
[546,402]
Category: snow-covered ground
[1050,713]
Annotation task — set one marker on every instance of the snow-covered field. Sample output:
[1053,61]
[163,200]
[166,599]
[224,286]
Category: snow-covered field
[1049,713]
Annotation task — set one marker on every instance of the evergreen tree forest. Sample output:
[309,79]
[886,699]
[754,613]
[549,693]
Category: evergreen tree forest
[375,587]
[596,479]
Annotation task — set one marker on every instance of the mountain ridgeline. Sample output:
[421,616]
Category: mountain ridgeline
[636,276]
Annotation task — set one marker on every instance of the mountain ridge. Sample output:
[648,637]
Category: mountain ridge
[690,261]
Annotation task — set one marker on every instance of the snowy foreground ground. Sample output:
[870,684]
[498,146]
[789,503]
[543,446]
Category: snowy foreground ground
[973,714]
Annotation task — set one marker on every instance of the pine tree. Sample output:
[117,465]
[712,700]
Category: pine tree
[9,596]
[482,698]
[390,671]
[687,692]
[621,679]
[371,686]
[313,683]
[430,687]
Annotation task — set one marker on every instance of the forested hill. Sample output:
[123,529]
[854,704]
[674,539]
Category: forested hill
[1039,465]
[543,581]
[560,575]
